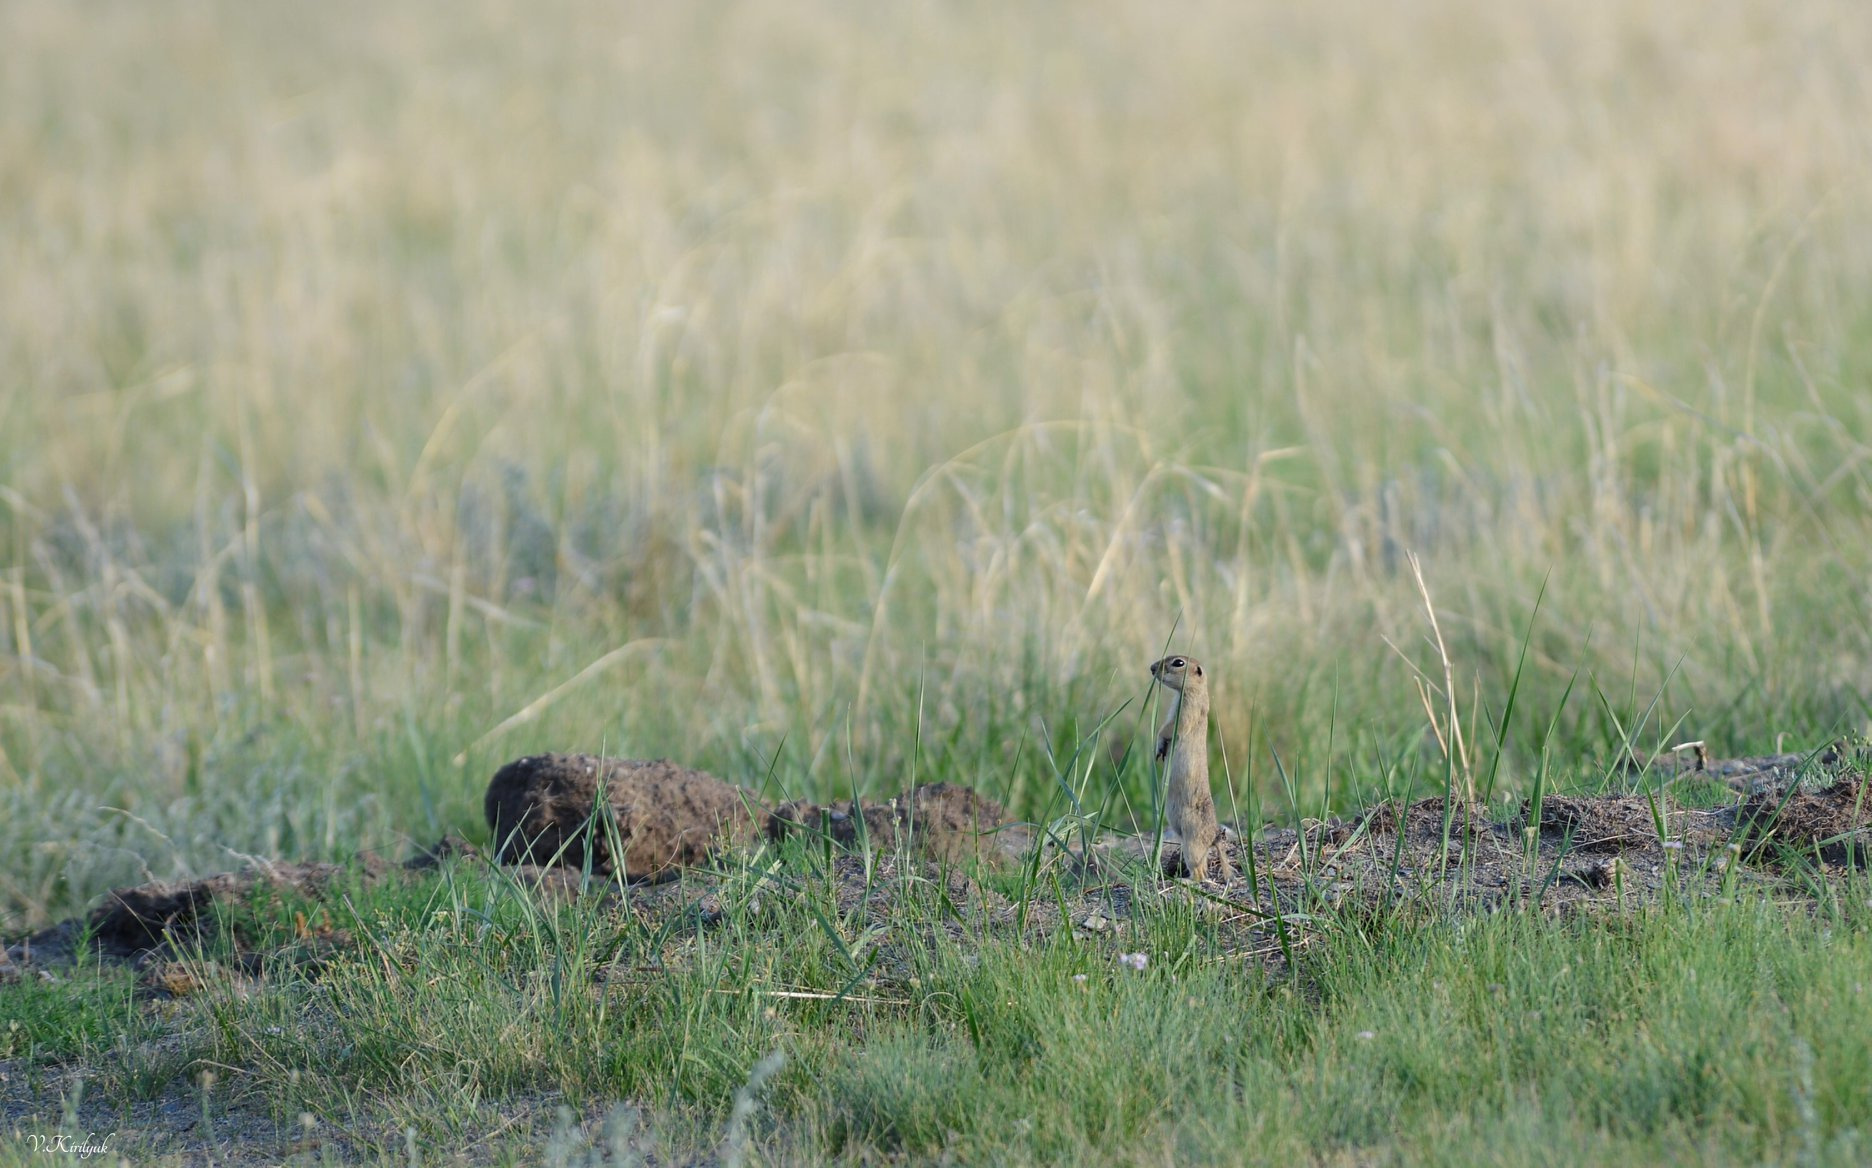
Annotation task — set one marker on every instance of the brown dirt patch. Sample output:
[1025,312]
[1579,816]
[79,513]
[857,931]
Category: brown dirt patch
[167,918]
[1612,823]
[942,821]
[1749,774]
[1832,821]
[132,920]
[661,816]
[1422,821]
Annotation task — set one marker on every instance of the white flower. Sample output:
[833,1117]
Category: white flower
[1136,961]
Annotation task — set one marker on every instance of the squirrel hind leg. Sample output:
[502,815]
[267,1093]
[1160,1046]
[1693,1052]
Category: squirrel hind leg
[1198,859]
[1195,859]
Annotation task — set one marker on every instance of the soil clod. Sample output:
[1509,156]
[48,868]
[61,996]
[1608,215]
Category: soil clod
[1608,824]
[1423,820]
[661,816]
[1835,822]
[944,821]
[135,920]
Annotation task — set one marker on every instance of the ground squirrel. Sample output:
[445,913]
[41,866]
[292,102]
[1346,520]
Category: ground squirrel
[1184,742]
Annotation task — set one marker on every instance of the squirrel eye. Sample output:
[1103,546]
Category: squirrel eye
[1176,663]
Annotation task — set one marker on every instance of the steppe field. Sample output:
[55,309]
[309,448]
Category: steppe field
[840,396]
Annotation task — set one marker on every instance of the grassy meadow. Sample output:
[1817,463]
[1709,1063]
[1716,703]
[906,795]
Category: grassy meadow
[836,396]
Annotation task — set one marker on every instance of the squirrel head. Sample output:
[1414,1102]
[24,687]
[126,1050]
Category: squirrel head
[1173,671]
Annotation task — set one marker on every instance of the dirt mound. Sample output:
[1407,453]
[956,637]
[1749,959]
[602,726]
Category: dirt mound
[1750,774]
[166,917]
[661,815]
[1835,821]
[944,821]
[134,919]
[664,816]
[1422,821]
[1612,823]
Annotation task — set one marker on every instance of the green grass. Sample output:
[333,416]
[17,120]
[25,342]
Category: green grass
[67,1016]
[1731,1031]
[836,396]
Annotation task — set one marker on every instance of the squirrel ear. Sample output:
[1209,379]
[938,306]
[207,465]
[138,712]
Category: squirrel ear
[1199,671]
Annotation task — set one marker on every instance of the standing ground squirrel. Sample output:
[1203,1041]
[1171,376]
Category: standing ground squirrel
[1184,741]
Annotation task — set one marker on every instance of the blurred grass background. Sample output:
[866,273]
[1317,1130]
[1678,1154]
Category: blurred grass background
[832,394]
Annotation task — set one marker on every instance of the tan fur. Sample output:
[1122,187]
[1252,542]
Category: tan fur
[1183,741]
